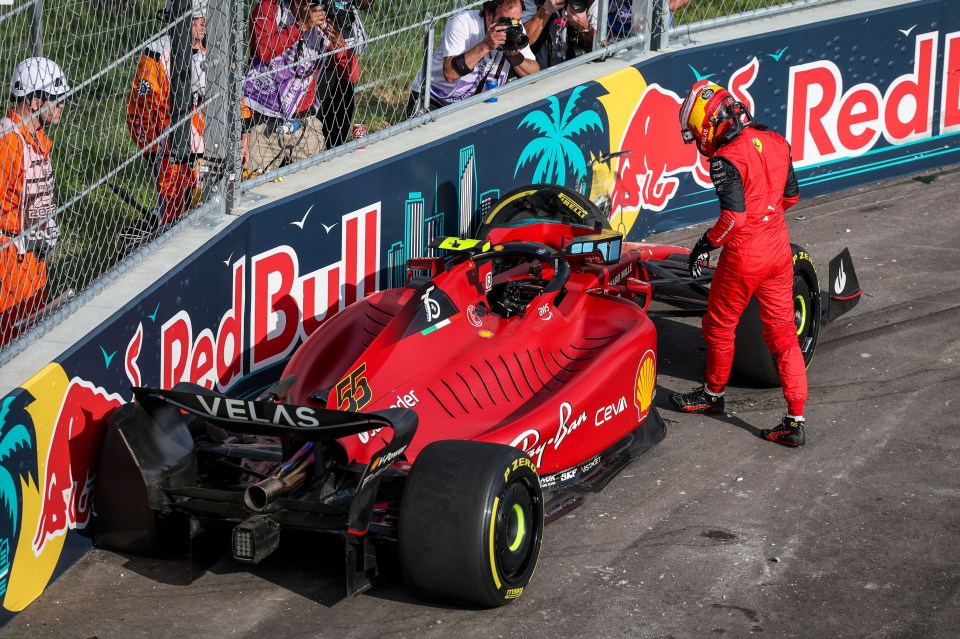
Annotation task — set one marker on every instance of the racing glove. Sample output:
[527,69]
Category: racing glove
[700,256]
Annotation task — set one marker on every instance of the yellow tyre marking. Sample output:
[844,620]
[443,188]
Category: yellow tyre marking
[803,313]
[493,527]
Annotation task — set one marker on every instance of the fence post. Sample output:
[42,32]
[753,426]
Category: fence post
[222,104]
[427,63]
[237,61]
[181,61]
[658,31]
[600,37]
[643,15]
[36,29]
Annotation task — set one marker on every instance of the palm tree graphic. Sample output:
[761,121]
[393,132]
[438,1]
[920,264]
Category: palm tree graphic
[15,439]
[555,151]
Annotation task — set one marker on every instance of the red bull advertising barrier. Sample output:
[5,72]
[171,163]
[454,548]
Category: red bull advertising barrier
[861,99]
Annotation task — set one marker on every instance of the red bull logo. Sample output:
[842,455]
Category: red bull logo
[72,459]
[130,366]
[648,178]
[285,307]
[281,296]
[209,359]
[826,121]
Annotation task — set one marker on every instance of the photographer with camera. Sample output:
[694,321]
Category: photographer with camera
[336,84]
[286,56]
[559,30]
[477,52]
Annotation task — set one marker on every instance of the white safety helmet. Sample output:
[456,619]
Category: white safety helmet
[198,8]
[38,75]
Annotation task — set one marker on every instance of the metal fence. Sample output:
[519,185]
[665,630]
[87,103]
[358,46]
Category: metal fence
[152,130]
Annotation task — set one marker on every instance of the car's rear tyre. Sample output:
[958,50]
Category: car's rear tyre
[471,523]
[123,520]
[525,203]
[753,362]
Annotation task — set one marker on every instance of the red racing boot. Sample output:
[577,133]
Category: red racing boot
[789,432]
[698,401]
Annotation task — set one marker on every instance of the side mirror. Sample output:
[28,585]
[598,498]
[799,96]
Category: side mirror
[634,287]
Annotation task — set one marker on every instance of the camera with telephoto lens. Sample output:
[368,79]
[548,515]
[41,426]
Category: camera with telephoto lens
[577,6]
[516,38]
[340,13]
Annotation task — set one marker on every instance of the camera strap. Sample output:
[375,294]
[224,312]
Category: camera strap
[483,81]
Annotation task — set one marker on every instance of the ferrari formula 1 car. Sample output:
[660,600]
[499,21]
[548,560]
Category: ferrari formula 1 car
[452,417]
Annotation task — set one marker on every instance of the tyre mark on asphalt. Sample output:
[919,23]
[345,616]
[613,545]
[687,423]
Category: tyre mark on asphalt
[749,613]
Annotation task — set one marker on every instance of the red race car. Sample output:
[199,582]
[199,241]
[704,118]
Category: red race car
[452,417]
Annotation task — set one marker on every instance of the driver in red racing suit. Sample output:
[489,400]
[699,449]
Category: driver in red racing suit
[753,175]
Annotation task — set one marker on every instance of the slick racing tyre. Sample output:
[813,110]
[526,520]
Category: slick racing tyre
[471,523]
[752,361]
[123,521]
[545,202]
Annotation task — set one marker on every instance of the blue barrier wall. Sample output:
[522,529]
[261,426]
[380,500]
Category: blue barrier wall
[861,99]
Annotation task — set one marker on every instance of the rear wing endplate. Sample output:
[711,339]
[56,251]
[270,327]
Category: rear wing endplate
[843,289]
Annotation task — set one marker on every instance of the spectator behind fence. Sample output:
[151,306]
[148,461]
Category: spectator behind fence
[678,4]
[474,51]
[286,47]
[559,30]
[336,103]
[28,230]
[148,119]
[674,6]
[620,16]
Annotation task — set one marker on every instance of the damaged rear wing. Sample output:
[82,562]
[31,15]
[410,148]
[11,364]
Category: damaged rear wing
[164,452]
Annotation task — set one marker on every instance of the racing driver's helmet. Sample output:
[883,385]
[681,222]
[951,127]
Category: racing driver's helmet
[711,117]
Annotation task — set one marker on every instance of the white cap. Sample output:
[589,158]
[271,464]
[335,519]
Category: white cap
[38,74]
[199,8]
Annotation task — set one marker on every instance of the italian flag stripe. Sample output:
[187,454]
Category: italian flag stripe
[440,324]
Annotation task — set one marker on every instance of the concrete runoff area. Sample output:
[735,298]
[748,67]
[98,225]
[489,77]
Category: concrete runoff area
[714,532]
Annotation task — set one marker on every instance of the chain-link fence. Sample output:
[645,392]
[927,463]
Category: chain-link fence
[687,17]
[156,111]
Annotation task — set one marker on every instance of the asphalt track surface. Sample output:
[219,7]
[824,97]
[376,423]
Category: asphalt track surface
[714,532]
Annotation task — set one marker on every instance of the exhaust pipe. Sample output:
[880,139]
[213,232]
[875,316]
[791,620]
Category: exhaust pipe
[260,495]
[290,476]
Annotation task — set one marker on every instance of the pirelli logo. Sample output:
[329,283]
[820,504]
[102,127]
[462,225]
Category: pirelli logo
[572,205]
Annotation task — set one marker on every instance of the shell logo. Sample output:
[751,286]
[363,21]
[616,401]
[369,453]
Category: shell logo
[646,382]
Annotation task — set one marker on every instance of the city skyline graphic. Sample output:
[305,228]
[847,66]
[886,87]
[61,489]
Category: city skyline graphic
[420,228]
